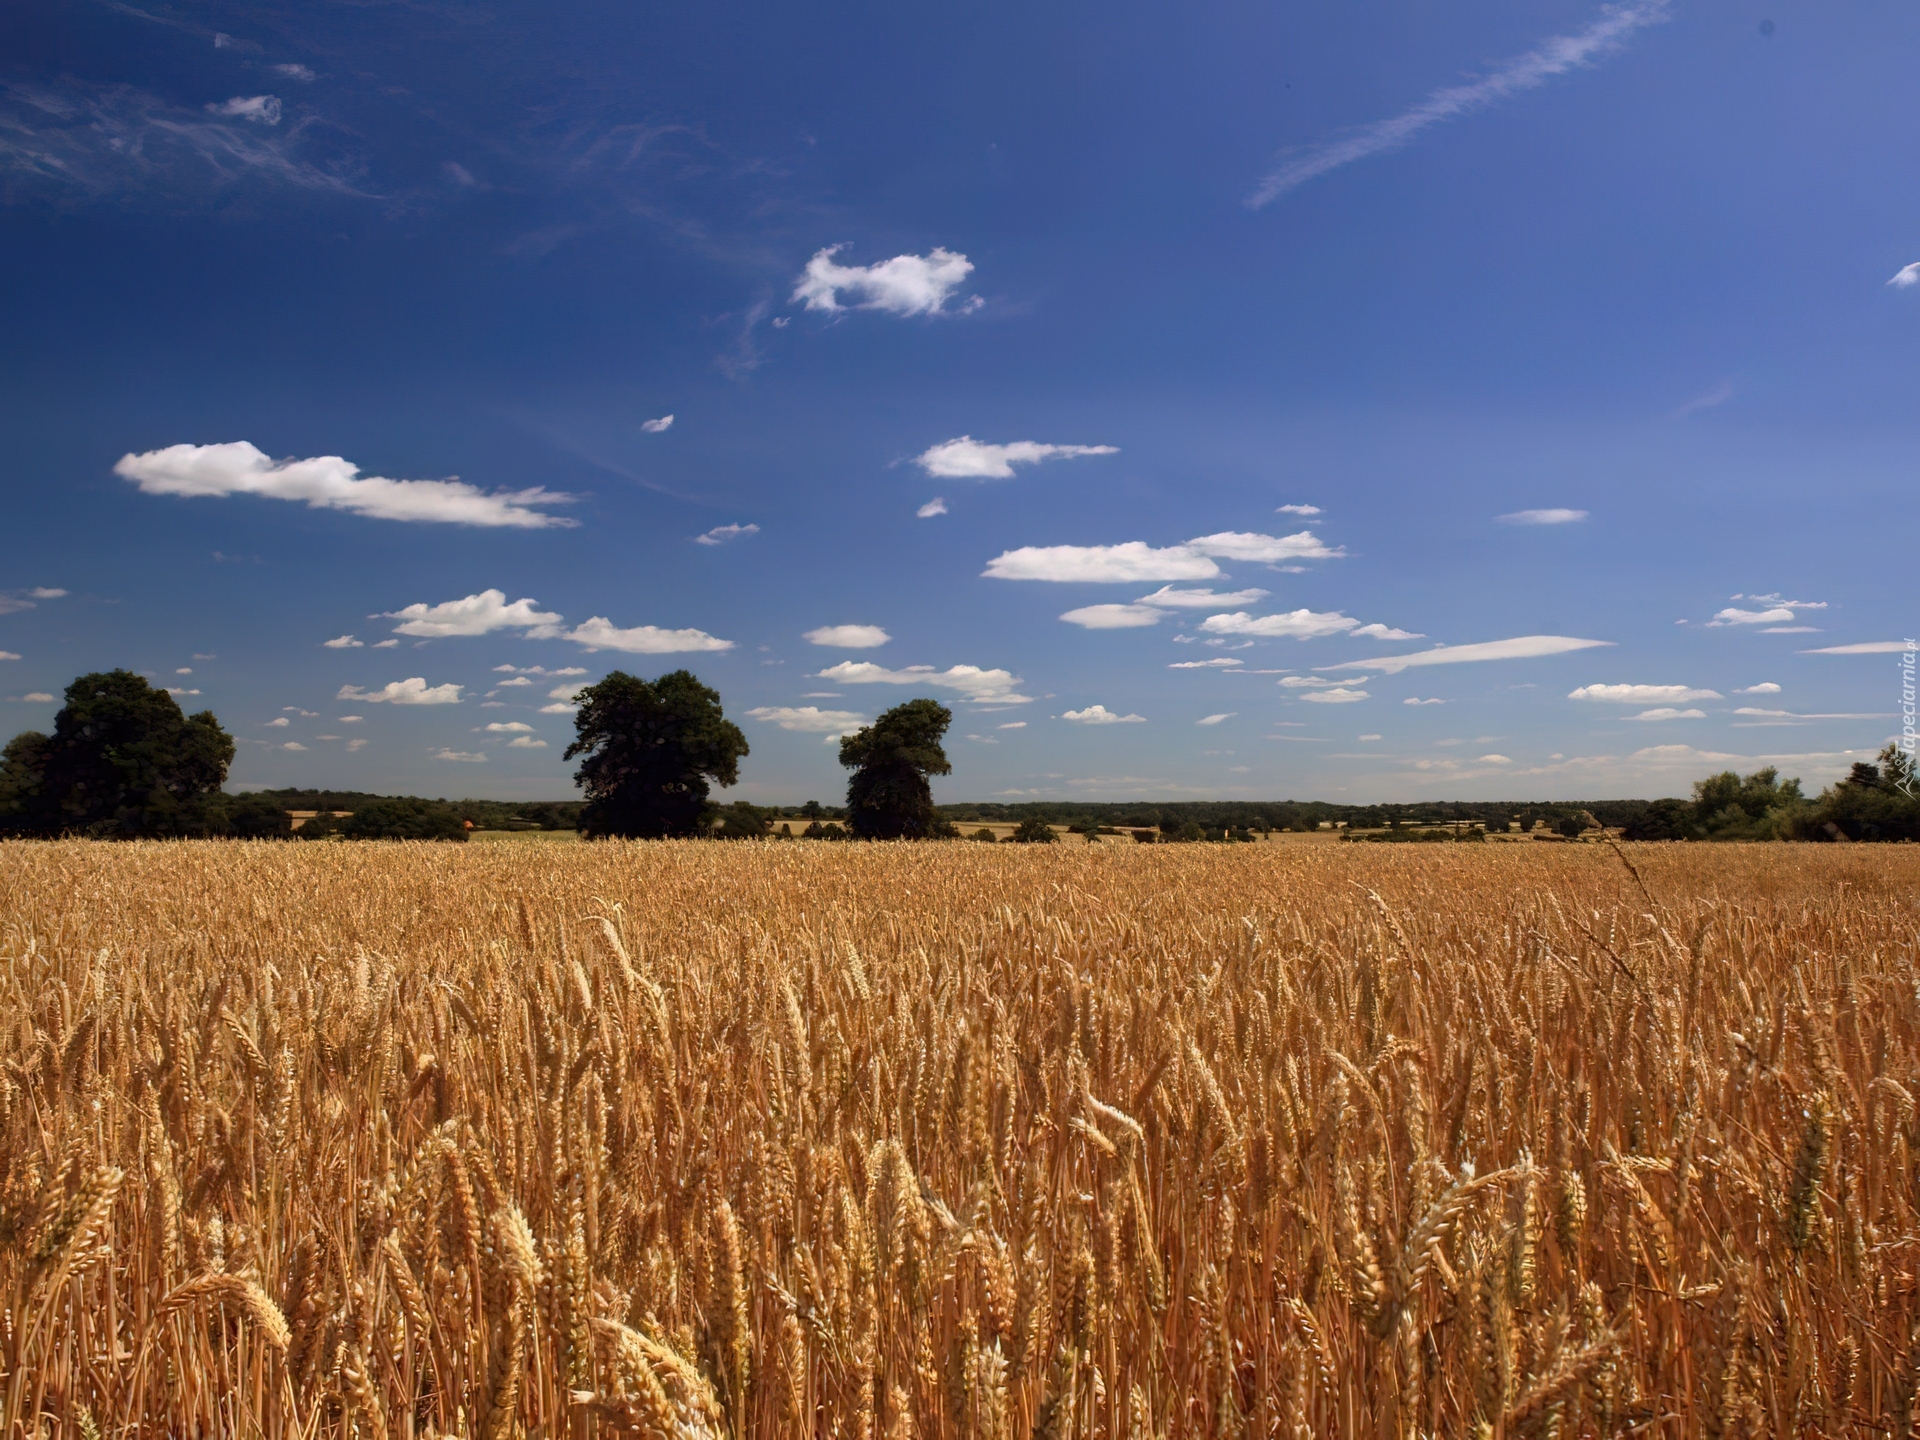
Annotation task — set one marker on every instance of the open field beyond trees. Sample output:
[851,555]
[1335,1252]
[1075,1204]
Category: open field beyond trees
[957,1141]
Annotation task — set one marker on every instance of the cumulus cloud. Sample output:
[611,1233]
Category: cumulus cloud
[1377,631]
[413,691]
[509,727]
[480,614]
[904,285]
[526,742]
[1865,647]
[1642,694]
[848,637]
[1306,682]
[1733,615]
[1906,276]
[293,745]
[260,109]
[1765,687]
[464,757]
[35,697]
[343,642]
[1100,715]
[1294,624]
[1137,561]
[327,482]
[8,655]
[600,633]
[294,72]
[659,426]
[1495,760]
[567,692]
[980,687]
[559,707]
[1551,58]
[1216,719]
[1542,517]
[279,720]
[810,719]
[933,507]
[1520,647]
[720,534]
[1169,597]
[386,644]
[1220,662]
[515,681]
[1340,695]
[1416,700]
[1667,712]
[1297,510]
[1012,725]
[966,458]
[1113,617]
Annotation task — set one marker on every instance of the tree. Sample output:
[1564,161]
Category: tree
[256,817]
[649,750]
[1033,831]
[402,818]
[1874,802]
[888,797]
[122,762]
[983,833]
[741,821]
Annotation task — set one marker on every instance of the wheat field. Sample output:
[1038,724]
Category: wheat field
[702,1140]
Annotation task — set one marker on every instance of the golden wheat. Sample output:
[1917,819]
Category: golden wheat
[862,1142]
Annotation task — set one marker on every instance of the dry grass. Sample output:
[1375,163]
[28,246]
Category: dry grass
[957,1141]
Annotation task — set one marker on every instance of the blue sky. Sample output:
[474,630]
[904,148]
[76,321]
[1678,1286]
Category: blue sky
[1149,383]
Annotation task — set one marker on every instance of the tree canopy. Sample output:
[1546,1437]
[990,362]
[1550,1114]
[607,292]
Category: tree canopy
[888,797]
[122,762]
[649,750]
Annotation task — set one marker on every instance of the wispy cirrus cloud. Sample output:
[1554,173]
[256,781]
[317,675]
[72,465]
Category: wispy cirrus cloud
[1906,277]
[809,719]
[1554,57]
[1542,517]
[1137,561]
[1520,647]
[1642,694]
[721,534]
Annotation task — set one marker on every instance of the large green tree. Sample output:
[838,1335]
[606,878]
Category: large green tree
[649,750]
[122,762]
[888,797]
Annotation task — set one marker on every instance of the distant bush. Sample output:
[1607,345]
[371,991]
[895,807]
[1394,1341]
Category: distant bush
[983,834]
[401,820]
[823,830]
[1033,832]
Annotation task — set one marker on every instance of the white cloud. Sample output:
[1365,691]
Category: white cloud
[981,687]
[184,670]
[526,742]
[414,691]
[1553,57]
[1542,517]
[1306,682]
[465,757]
[35,697]
[848,637]
[295,72]
[352,719]
[1296,624]
[1136,561]
[904,285]
[293,745]
[656,427]
[171,689]
[966,458]
[1170,598]
[534,670]
[1667,712]
[480,614]
[1378,631]
[296,710]
[599,633]
[1416,700]
[1297,510]
[720,534]
[558,708]
[567,692]
[1337,696]
[1765,687]
[1010,725]
[933,507]
[355,744]
[278,721]
[1641,694]
[1791,630]
[1521,647]
[1216,719]
[1100,715]
[44,592]
[515,681]
[509,727]
[343,642]
[1495,760]
[1217,663]
[1133,561]
[326,482]
[1796,715]
[8,655]
[1866,647]
[1114,617]
[1732,615]
[260,109]
[810,719]
[1906,276]
[386,644]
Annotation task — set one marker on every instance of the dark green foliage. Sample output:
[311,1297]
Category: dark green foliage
[1146,837]
[322,825]
[1189,832]
[122,762]
[741,821]
[255,817]
[823,830]
[649,751]
[402,820]
[1570,826]
[1033,832]
[1661,820]
[982,834]
[1874,802]
[888,797]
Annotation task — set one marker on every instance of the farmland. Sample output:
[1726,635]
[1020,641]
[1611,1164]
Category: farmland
[958,1140]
